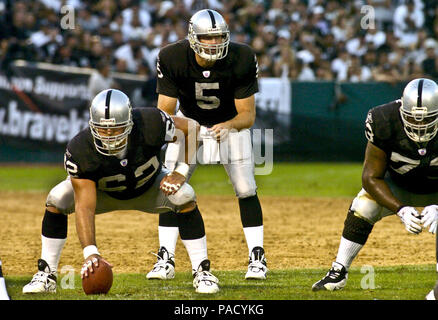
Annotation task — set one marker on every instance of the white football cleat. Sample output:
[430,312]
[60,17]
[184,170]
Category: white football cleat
[335,279]
[433,295]
[204,281]
[257,268]
[3,291]
[164,269]
[43,281]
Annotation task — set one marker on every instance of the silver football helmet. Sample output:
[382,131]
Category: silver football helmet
[208,23]
[419,109]
[110,121]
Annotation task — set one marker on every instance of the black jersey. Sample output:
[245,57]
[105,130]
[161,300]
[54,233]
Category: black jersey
[207,94]
[132,175]
[411,165]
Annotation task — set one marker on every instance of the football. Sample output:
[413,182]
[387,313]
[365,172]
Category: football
[100,280]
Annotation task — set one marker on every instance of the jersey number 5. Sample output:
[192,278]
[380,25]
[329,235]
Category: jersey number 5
[206,101]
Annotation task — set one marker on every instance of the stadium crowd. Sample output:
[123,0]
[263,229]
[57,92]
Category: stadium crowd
[343,40]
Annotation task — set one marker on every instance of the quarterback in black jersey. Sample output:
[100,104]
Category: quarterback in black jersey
[115,165]
[400,173]
[214,81]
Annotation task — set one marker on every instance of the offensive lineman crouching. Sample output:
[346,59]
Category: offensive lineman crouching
[400,173]
[114,165]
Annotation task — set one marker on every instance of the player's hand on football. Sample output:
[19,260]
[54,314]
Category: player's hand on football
[171,183]
[430,217]
[220,130]
[411,219]
[90,263]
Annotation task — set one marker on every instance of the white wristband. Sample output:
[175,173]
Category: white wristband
[89,250]
[182,168]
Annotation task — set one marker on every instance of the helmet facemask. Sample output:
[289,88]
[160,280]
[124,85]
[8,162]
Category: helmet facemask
[110,139]
[210,52]
[420,125]
[419,110]
[209,23]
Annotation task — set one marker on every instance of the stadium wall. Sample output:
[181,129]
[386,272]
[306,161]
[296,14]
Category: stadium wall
[42,106]
[328,118]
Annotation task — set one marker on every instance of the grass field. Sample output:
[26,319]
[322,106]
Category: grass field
[287,180]
[317,179]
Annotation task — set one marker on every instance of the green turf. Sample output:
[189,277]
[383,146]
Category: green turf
[390,283]
[298,179]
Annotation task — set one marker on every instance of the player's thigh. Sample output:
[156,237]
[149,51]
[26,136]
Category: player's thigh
[365,207]
[62,197]
[240,164]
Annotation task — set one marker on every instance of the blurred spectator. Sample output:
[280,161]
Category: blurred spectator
[129,56]
[340,66]
[324,72]
[374,39]
[101,79]
[266,66]
[383,10]
[429,64]
[284,62]
[303,71]
[63,55]
[408,19]
[195,5]
[412,70]
[357,46]
[370,59]
[301,39]
[133,11]
[358,72]
[87,20]
[385,70]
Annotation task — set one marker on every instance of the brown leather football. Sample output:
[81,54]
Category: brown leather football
[100,280]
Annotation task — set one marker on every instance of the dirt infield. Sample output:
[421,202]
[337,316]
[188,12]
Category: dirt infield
[299,233]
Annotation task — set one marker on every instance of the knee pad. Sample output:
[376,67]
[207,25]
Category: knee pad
[243,181]
[54,225]
[244,191]
[191,225]
[62,197]
[168,219]
[184,195]
[356,229]
[366,207]
[251,212]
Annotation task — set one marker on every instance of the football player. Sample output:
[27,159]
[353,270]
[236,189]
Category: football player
[399,174]
[3,292]
[214,80]
[114,165]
